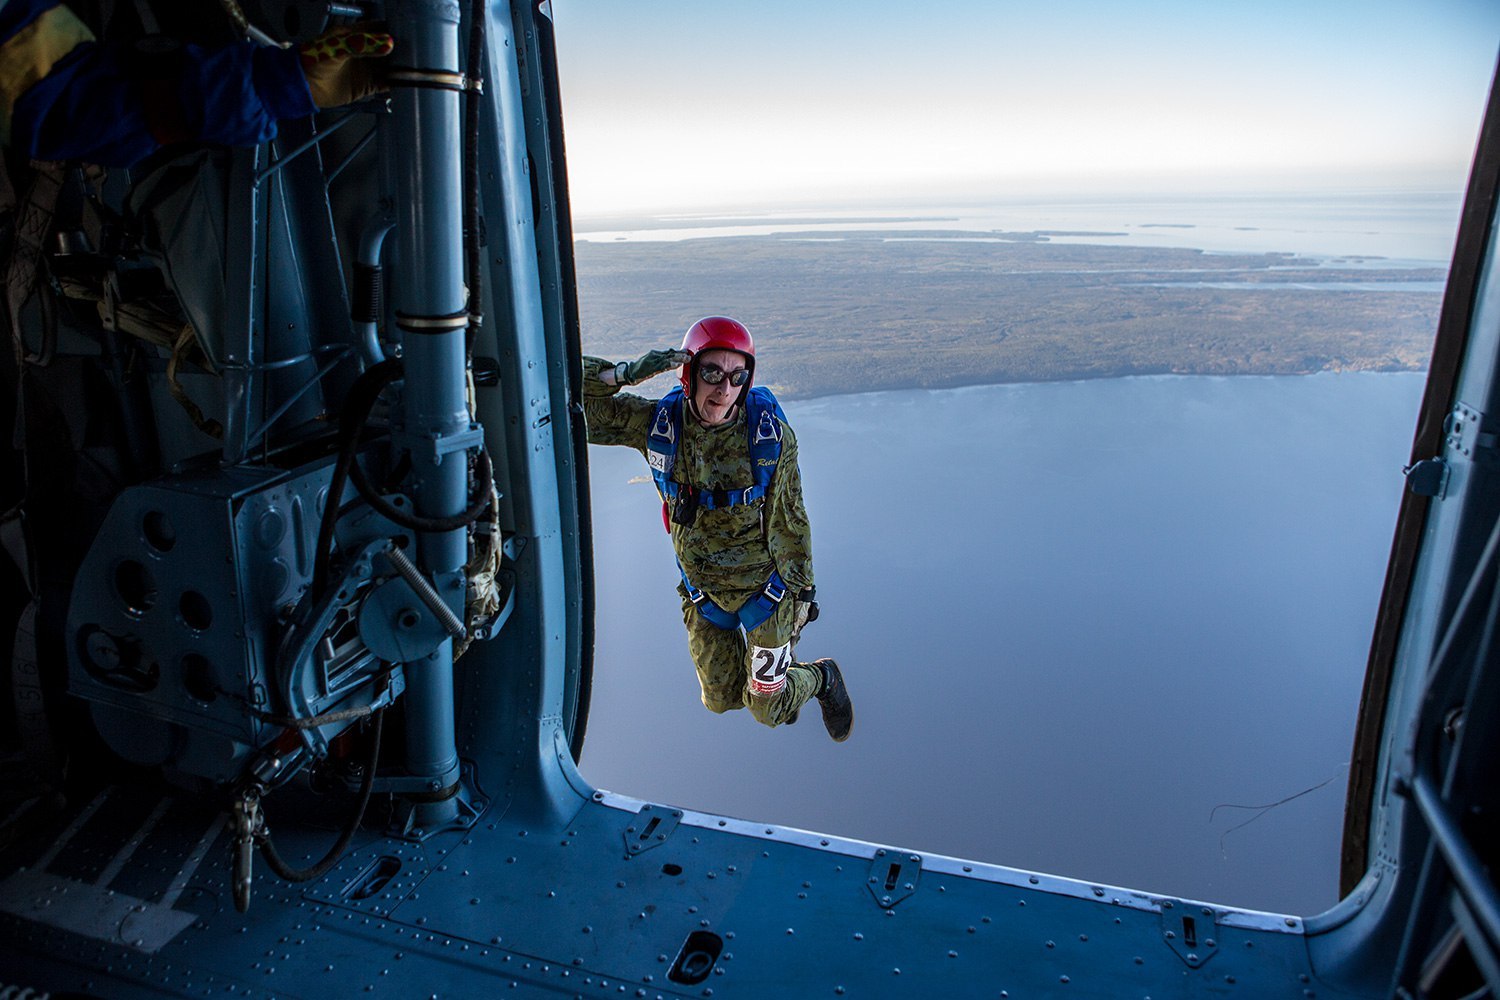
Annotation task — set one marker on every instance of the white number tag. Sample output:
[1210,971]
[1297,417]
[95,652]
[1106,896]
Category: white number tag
[768,669]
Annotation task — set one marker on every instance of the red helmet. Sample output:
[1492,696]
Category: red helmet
[717,333]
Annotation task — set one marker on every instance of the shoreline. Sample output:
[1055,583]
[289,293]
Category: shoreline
[596,240]
[1077,380]
[647,390]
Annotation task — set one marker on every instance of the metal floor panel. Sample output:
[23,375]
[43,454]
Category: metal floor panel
[604,907]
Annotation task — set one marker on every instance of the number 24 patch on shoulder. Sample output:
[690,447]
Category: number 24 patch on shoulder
[768,667]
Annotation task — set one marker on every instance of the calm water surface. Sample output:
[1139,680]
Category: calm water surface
[1400,227]
[1074,618]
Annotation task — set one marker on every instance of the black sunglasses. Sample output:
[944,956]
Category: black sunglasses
[713,375]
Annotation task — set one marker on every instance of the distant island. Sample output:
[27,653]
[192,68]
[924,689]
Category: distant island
[857,311]
[646,223]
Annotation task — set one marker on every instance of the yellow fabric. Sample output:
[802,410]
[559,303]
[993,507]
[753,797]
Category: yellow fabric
[335,68]
[31,53]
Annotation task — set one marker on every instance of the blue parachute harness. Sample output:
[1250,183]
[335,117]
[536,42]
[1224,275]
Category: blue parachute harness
[763,423]
[751,614]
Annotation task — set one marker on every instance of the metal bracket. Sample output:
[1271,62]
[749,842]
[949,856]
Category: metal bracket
[282,159]
[1473,435]
[894,875]
[434,447]
[406,822]
[109,303]
[650,828]
[299,682]
[1190,930]
[394,624]
[424,591]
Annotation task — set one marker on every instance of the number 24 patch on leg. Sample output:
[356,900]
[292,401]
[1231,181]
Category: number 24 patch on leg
[768,669]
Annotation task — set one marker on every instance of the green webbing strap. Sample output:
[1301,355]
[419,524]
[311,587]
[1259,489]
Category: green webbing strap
[33,223]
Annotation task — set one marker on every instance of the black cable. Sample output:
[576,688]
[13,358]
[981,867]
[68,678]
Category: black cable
[367,785]
[483,480]
[472,254]
[357,407]
[356,413]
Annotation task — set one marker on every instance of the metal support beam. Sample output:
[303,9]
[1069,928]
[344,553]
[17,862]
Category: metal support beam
[427,290]
[1467,871]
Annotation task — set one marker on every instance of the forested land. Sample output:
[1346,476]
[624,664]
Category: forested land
[859,311]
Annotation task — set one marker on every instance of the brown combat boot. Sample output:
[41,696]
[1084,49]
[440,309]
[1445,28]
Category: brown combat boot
[838,710]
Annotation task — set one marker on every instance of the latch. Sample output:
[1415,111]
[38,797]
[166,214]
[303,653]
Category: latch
[650,828]
[893,876]
[1428,478]
[1190,930]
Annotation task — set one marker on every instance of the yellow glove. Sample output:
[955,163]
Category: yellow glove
[337,66]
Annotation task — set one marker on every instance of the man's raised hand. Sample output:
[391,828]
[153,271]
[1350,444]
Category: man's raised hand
[650,364]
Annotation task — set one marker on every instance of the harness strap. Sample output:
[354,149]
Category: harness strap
[764,418]
[33,226]
[752,614]
[713,499]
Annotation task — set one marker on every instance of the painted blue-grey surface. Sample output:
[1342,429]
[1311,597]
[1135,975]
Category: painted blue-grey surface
[176,614]
[571,910]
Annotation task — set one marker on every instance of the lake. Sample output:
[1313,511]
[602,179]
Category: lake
[1075,618]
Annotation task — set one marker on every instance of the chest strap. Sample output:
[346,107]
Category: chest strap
[712,499]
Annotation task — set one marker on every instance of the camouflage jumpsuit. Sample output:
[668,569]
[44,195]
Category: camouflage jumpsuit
[727,553]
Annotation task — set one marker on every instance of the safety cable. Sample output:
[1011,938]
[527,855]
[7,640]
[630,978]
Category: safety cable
[312,721]
[367,785]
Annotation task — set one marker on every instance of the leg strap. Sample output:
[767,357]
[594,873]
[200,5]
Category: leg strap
[751,614]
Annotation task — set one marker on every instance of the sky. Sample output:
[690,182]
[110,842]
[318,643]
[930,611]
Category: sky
[672,107]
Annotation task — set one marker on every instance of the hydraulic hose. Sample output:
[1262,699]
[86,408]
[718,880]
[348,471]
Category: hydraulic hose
[367,785]
[483,476]
[357,408]
[367,307]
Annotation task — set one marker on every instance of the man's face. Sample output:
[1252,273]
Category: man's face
[715,403]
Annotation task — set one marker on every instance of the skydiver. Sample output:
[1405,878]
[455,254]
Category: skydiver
[724,460]
[66,96]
